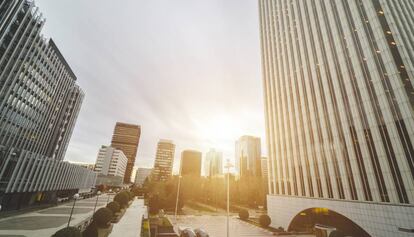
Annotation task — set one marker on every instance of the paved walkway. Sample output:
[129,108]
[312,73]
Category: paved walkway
[216,226]
[45,222]
[130,223]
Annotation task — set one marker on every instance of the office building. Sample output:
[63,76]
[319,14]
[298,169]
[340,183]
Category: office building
[111,161]
[338,83]
[141,175]
[126,138]
[248,157]
[39,104]
[264,167]
[190,163]
[213,163]
[84,165]
[164,160]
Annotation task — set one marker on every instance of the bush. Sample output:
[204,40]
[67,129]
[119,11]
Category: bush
[91,230]
[122,198]
[114,207]
[264,220]
[336,233]
[68,232]
[243,214]
[102,217]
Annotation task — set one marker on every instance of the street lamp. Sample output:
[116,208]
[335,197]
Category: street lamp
[228,166]
[75,197]
[96,202]
[110,191]
[178,194]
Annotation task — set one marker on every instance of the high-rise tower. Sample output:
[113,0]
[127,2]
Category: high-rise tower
[126,138]
[39,104]
[164,160]
[339,97]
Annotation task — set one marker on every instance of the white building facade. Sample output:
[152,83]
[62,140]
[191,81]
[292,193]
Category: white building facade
[338,86]
[111,162]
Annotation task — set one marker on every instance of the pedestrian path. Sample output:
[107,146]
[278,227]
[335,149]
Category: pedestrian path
[130,223]
[45,222]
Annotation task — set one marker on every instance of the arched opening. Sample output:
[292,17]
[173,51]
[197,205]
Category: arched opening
[306,220]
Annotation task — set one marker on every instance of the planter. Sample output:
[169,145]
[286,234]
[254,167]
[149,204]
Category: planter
[104,232]
[118,216]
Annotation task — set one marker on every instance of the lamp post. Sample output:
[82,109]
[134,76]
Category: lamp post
[228,166]
[75,197]
[178,193]
[110,191]
[96,202]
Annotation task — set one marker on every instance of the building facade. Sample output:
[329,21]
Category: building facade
[126,138]
[164,160]
[190,163]
[111,162]
[248,156]
[338,88]
[265,172]
[141,175]
[213,163]
[39,104]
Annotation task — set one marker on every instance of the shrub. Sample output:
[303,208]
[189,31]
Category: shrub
[114,207]
[91,230]
[336,233]
[243,214]
[264,221]
[68,232]
[122,198]
[102,217]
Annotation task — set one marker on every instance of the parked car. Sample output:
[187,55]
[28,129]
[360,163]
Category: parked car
[200,232]
[186,232]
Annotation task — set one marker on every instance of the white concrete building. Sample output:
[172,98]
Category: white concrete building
[338,81]
[111,162]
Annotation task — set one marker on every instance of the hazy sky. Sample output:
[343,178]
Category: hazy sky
[185,70]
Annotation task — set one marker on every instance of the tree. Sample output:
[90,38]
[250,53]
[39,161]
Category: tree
[264,220]
[68,232]
[122,198]
[114,207]
[102,217]
[243,214]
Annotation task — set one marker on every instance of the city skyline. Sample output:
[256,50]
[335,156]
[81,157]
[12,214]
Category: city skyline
[194,124]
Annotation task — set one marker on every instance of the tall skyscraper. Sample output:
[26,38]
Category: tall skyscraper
[126,138]
[248,156]
[339,97]
[141,175]
[190,163]
[213,163]
[264,167]
[164,160]
[39,105]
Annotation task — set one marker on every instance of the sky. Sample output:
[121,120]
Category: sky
[185,70]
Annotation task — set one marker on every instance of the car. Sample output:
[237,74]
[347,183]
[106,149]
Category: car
[200,232]
[186,232]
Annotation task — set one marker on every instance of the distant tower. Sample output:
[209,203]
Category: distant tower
[213,164]
[191,163]
[248,156]
[126,138]
[164,160]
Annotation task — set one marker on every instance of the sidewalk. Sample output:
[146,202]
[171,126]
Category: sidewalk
[45,222]
[130,223]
